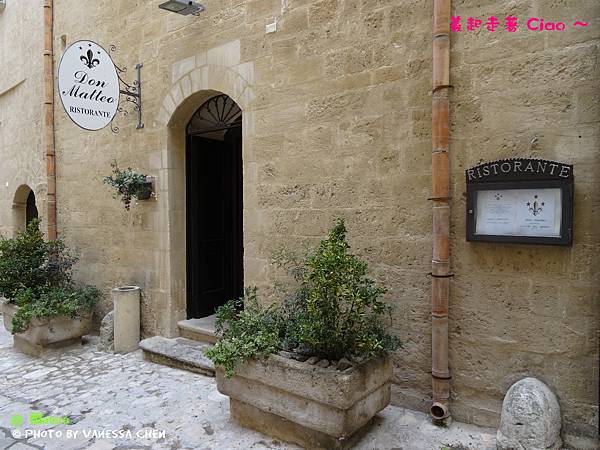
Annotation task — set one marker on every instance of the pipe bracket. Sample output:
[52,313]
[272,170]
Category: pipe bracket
[450,275]
[440,87]
[440,376]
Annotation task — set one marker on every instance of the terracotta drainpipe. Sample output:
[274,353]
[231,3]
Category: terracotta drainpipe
[49,117]
[440,186]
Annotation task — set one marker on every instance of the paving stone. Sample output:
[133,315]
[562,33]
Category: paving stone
[125,392]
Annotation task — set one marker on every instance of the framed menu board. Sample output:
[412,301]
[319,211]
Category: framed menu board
[525,201]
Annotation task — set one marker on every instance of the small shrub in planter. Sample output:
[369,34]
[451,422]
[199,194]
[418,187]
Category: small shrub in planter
[315,369]
[129,185]
[44,307]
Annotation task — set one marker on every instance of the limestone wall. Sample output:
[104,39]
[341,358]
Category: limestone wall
[337,123]
[21,111]
[527,310]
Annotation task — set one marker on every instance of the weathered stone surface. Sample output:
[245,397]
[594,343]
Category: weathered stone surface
[273,425]
[202,330]
[106,391]
[127,320]
[337,102]
[319,401]
[530,419]
[182,353]
[107,333]
[52,332]
[343,364]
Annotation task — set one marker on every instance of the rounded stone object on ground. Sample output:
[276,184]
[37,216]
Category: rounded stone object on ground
[530,418]
[323,363]
[344,364]
[312,360]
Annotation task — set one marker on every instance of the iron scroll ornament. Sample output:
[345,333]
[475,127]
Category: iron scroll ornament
[529,196]
[130,92]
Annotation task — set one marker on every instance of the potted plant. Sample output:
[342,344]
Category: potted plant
[129,185]
[42,306]
[315,369]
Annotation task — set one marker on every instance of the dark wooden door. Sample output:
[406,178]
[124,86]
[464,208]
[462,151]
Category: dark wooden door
[214,223]
[31,211]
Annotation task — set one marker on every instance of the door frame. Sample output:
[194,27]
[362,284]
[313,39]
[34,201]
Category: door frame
[167,298]
[232,138]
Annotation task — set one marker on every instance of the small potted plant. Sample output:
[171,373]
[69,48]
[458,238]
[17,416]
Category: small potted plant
[129,185]
[314,369]
[42,306]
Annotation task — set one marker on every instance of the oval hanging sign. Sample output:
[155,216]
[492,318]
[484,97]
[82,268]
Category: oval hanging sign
[88,85]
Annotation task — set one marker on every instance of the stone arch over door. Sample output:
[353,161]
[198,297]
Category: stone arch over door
[195,80]
[24,208]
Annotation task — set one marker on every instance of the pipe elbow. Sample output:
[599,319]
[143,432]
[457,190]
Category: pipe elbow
[439,411]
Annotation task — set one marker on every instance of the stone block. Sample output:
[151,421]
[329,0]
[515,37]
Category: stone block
[249,416]
[531,418]
[227,55]
[182,68]
[46,333]
[286,393]
[322,11]
[107,333]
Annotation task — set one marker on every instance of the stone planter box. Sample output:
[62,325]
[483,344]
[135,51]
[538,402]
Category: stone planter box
[54,332]
[315,407]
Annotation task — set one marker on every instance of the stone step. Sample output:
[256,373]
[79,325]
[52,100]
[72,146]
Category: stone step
[202,330]
[180,353]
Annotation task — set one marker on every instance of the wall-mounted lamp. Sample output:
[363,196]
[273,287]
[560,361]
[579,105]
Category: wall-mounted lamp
[2,5]
[183,7]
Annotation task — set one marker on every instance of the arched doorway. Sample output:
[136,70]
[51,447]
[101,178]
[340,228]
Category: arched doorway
[24,208]
[214,208]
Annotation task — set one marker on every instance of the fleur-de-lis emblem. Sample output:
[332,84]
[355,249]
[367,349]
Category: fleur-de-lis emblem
[535,207]
[89,60]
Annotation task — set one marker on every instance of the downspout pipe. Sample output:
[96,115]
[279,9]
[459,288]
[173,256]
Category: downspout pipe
[49,141]
[440,186]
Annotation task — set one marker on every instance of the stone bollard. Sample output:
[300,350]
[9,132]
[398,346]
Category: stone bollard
[126,304]
[530,418]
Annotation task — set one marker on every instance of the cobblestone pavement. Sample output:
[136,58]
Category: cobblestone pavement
[136,401]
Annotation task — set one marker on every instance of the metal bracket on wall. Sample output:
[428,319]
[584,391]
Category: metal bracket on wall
[130,92]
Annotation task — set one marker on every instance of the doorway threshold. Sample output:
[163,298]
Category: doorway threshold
[202,329]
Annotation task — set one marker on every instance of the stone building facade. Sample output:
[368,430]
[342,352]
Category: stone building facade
[336,121]
[22,170]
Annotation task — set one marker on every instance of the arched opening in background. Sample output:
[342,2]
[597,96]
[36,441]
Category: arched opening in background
[24,208]
[214,208]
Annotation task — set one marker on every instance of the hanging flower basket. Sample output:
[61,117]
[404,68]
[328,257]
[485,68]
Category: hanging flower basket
[129,185]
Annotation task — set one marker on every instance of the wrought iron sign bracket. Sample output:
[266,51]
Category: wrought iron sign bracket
[130,93]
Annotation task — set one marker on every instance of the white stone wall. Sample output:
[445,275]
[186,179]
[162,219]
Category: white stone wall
[21,108]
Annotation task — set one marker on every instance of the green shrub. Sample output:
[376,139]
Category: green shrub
[247,332]
[37,276]
[56,301]
[29,262]
[335,310]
